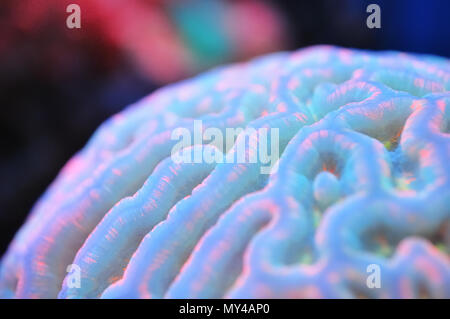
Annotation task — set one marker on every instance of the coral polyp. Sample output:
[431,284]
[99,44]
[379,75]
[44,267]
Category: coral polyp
[362,181]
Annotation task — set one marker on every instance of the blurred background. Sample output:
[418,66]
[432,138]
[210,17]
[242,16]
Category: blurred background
[58,84]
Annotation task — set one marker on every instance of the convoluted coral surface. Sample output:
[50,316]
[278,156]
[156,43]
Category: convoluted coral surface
[363,181]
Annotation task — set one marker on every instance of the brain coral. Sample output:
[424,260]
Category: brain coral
[363,179]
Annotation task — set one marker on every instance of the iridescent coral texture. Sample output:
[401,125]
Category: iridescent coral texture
[363,178]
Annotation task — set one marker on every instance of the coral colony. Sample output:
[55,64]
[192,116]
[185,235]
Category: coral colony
[362,184]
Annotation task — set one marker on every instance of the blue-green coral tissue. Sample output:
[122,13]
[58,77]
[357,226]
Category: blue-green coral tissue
[363,179]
